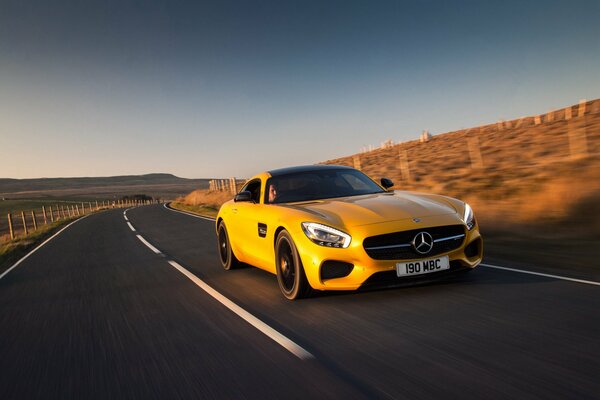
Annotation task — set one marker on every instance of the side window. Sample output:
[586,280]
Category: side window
[254,188]
[356,183]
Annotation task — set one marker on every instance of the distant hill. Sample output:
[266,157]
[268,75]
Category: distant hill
[156,185]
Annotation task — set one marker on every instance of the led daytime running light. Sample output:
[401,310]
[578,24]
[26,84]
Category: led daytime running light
[327,236]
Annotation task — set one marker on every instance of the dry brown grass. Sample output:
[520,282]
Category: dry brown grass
[202,202]
[529,175]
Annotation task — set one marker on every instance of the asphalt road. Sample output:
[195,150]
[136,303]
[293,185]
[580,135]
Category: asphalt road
[96,314]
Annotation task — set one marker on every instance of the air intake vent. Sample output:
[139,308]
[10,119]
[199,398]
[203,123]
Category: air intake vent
[335,269]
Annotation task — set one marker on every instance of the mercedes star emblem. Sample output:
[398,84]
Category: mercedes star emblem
[423,243]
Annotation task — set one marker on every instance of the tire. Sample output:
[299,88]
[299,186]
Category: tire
[228,259]
[290,272]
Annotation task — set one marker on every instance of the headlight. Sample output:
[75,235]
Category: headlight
[325,235]
[469,217]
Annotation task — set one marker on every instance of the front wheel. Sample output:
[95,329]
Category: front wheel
[228,259]
[290,272]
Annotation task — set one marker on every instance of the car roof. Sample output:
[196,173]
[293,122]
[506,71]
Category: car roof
[305,168]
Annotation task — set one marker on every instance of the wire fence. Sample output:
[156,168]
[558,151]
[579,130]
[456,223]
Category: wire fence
[22,223]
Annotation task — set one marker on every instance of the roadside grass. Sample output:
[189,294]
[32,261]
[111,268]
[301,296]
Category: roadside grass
[12,250]
[202,202]
[203,210]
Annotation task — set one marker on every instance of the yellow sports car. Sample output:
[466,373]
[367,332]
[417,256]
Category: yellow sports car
[329,227]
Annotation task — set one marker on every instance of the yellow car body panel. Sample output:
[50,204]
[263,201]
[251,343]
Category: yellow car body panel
[359,216]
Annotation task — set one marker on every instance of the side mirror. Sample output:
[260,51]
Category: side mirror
[243,196]
[386,183]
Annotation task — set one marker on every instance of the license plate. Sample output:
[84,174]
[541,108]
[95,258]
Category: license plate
[423,266]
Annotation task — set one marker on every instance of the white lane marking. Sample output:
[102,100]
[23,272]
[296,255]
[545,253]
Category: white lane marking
[282,340]
[125,216]
[564,278]
[187,213]
[154,249]
[38,247]
[130,226]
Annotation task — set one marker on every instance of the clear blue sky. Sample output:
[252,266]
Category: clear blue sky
[230,88]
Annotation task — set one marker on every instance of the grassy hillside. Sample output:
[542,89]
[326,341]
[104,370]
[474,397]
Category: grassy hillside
[514,172]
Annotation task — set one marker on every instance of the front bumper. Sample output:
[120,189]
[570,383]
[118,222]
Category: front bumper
[367,271]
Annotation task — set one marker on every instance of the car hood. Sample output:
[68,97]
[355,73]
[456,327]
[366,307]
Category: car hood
[376,208]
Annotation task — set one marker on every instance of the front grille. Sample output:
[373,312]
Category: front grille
[405,251]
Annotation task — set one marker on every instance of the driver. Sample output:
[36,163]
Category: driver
[272,193]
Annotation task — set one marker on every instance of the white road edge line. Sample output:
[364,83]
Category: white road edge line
[282,340]
[564,278]
[190,214]
[130,226]
[154,249]
[15,265]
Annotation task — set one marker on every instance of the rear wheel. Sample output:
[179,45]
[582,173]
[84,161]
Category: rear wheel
[290,272]
[228,259]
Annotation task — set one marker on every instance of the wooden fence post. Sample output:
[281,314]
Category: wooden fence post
[550,116]
[581,109]
[404,168]
[34,220]
[97,205]
[475,153]
[356,162]
[24,222]
[51,214]
[568,114]
[45,217]
[577,140]
[519,122]
[537,120]
[62,208]
[10,227]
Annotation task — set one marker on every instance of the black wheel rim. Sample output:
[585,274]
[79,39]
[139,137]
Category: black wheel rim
[223,246]
[287,267]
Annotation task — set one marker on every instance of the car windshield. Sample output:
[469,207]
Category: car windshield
[324,184]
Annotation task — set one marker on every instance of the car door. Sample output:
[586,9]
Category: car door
[245,215]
